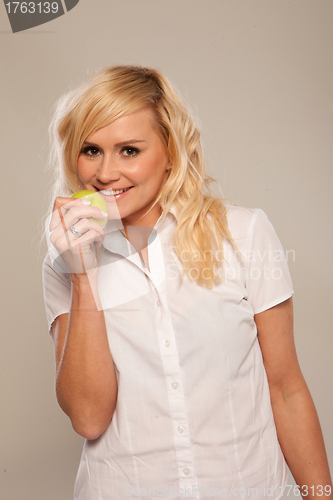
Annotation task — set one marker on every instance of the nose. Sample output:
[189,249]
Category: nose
[107,171]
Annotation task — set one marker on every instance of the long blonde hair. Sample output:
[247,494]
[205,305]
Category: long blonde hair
[120,90]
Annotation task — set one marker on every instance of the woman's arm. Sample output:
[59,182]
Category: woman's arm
[86,383]
[295,416]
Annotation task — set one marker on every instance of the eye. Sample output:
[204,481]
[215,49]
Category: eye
[90,151]
[129,152]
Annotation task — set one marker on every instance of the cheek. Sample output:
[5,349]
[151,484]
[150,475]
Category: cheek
[153,178]
[79,167]
[83,170]
[143,173]
[153,170]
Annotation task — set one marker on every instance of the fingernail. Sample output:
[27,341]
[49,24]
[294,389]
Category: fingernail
[86,202]
[105,214]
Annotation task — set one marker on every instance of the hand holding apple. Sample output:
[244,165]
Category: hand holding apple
[96,200]
[78,215]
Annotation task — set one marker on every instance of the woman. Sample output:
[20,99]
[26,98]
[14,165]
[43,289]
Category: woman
[173,327]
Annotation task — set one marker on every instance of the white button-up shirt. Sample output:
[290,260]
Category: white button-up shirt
[193,417]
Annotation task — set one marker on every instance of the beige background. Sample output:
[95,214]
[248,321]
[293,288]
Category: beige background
[259,75]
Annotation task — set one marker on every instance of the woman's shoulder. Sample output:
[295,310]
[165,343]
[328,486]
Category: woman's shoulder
[241,220]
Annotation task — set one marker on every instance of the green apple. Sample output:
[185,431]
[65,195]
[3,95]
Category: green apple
[96,200]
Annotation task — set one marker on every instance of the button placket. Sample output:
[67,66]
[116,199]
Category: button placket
[171,364]
[162,332]
[157,295]
[178,413]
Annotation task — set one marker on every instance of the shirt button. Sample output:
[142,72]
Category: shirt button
[158,303]
[186,471]
[180,429]
[174,385]
[167,343]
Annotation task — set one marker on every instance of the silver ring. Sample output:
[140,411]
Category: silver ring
[76,233]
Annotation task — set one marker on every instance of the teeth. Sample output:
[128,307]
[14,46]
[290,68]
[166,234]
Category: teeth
[112,192]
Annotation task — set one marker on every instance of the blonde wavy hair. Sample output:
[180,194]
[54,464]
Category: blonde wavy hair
[119,90]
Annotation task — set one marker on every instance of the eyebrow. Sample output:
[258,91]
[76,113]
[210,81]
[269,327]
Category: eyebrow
[119,144]
[130,141]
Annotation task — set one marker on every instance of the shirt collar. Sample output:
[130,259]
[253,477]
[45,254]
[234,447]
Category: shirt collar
[116,242]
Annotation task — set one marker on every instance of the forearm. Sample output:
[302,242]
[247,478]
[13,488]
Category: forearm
[86,382]
[301,441]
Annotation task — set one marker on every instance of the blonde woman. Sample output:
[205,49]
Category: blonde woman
[173,326]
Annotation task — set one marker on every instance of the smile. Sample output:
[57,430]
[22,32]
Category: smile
[113,192]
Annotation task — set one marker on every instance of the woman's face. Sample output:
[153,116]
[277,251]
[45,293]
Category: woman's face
[127,163]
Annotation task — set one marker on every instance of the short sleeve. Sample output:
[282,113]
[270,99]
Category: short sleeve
[268,280]
[57,290]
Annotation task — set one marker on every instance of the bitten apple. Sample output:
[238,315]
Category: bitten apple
[96,200]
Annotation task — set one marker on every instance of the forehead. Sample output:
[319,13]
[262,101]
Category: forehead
[135,125]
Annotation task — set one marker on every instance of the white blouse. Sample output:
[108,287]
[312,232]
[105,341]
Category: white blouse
[193,417]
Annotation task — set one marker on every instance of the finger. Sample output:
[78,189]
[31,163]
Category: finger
[76,214]
[63,239]
[66,203]
[61,206]
[81,248]
[99,242]
[84,225]
[88,237]
[60,223]
[64,226]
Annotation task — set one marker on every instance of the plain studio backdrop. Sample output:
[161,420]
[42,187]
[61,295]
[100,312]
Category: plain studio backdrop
[258,75]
